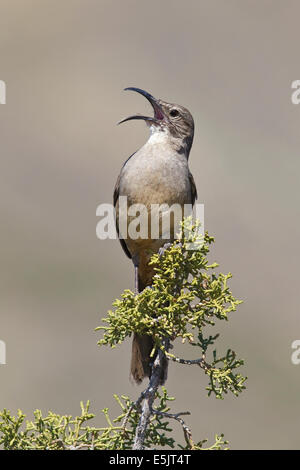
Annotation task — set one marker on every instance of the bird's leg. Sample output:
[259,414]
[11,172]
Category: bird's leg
[162,249]
[166,246]
[136,279]
[135,260]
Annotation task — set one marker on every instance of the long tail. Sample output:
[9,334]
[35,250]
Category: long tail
[141,361]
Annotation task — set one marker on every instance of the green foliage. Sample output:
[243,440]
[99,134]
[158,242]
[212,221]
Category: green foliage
[55,432]
[186,296]
[221,370]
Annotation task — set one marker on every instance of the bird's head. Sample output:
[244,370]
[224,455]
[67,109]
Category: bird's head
[174,119]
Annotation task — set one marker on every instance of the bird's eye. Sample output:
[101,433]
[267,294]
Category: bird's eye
[174,113]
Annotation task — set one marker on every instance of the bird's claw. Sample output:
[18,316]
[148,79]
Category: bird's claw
[162,250]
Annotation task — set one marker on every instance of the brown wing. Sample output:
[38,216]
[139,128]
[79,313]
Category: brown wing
[193,188]
[115,199]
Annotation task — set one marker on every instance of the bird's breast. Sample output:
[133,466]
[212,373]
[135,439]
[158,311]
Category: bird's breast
[160,178]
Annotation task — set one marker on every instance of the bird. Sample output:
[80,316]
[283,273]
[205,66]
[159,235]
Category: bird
[158,173]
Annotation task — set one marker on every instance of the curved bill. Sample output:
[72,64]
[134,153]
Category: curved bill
[139,116]
[158,112]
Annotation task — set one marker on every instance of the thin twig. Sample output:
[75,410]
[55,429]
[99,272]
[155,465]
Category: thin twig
[80,446]
[200,362]
[186,430]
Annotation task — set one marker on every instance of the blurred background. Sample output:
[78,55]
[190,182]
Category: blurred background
[65,64]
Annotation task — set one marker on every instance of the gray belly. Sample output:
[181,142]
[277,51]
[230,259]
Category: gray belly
[156,181]
[153,182]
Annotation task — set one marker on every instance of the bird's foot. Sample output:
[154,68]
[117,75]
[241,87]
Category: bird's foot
[162,250]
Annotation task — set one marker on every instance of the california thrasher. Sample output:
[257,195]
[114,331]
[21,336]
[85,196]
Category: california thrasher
[158,174]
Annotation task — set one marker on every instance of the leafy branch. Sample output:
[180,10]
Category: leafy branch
[56,432]
[186,296]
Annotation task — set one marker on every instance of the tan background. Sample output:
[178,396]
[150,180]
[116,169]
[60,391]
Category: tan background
[65,63]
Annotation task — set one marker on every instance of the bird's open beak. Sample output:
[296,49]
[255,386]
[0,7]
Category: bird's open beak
[158,112]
